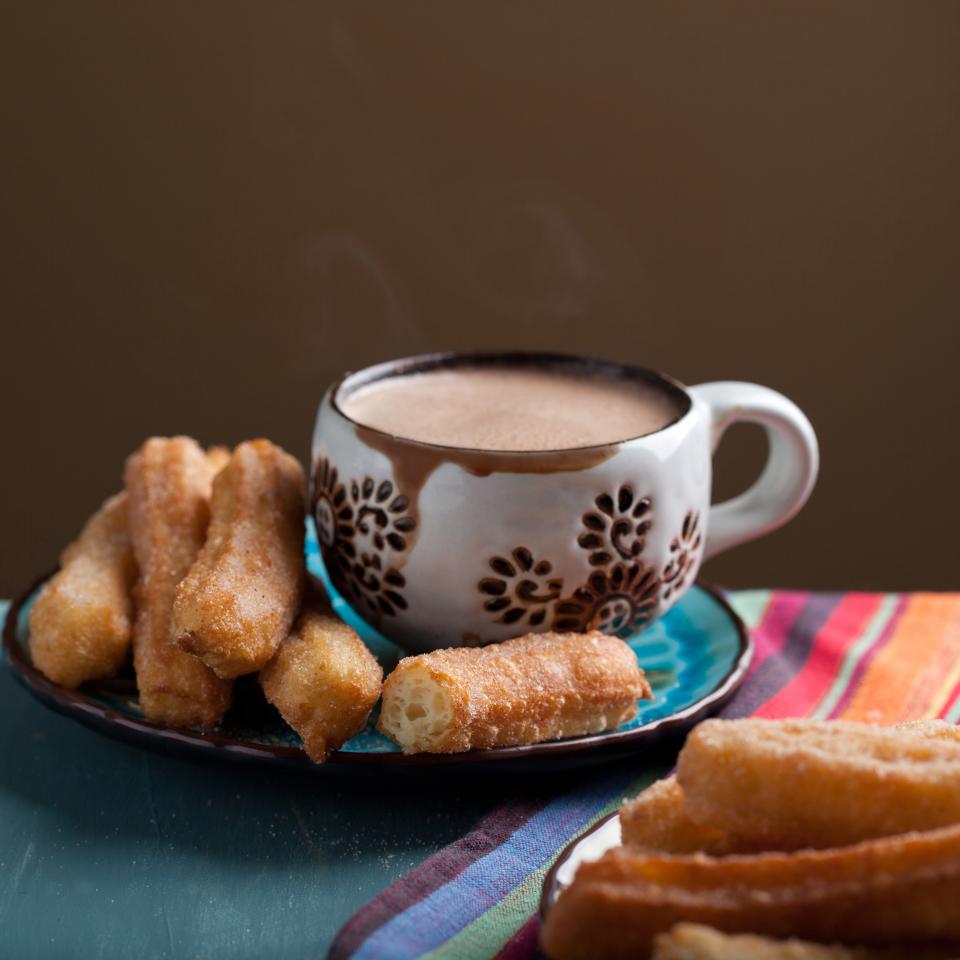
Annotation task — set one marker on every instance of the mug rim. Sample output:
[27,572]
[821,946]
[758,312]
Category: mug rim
[420,363]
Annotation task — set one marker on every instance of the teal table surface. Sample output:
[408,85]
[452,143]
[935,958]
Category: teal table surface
[107,851]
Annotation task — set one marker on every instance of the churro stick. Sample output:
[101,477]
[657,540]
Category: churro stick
[534,688]
[934,729]
[80,624]
[895,890]
[691,941]
[323,680]
[657,820]
[795,783]
[168,483]
[218,458]
[242,594]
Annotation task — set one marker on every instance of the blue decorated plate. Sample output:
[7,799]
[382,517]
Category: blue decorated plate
[695,657]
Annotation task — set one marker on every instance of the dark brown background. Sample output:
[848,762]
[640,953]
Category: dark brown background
[211,209]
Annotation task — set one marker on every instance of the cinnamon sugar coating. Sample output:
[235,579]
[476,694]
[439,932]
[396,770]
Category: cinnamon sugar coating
[819,783]
[533,688]
[168,485]
[323,680]
[657,819]
[692,941]
[82,620]
[241,595]
[895,890]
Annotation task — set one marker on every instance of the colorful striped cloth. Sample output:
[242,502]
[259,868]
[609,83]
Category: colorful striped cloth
[874,657]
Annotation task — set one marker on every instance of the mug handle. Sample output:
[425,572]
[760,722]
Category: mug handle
[790,470]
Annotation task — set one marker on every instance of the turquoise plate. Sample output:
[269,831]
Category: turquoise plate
[695,657]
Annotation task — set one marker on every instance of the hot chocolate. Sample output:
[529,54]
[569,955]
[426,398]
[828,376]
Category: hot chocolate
[512,408]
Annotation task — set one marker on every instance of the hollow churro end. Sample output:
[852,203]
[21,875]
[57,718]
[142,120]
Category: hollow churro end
[417,711]
[527,690]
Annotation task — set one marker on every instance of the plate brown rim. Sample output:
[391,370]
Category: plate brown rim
[549,881]
[78,706]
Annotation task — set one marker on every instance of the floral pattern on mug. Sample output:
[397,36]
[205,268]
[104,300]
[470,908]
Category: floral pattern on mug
[684,549]
[619,601]
[522,588]
[620,595]
[617,528]
[361,524]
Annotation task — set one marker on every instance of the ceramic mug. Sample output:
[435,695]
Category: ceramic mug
[440,546]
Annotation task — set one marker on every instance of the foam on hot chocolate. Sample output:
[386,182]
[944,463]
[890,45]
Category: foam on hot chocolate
[512,408]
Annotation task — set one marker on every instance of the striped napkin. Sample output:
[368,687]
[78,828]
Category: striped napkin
[875,657]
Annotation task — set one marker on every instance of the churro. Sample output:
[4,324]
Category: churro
[242,593]
[218,458]
[657,820]
[168,484]
[799,783]
[934,729]
[534,688]
[691,941]
[81,623]
[895,890]
[323,680]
